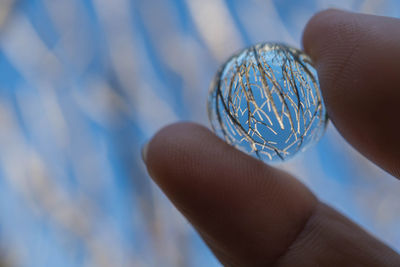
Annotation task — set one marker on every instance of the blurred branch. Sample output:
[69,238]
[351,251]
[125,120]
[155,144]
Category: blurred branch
[6,7]
[5,260]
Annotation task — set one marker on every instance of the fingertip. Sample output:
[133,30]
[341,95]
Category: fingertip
[319,28]
[357,60]
[211,182]
[161,152]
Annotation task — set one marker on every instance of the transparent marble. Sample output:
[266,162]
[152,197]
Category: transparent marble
[266,101]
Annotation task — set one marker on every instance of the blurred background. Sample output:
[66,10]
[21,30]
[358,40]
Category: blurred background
[84,83]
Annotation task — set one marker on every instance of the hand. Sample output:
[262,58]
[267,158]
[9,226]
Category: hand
[251,214]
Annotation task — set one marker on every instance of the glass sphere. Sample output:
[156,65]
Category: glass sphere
[266,101]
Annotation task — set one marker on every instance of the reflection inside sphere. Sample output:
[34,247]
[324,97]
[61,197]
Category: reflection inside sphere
[266,101]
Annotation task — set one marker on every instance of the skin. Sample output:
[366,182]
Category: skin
[251,214]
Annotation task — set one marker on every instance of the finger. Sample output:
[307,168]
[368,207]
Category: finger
[250,214]
[246,211]
[358,61]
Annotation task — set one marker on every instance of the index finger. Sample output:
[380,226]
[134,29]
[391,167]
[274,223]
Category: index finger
[357,57]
